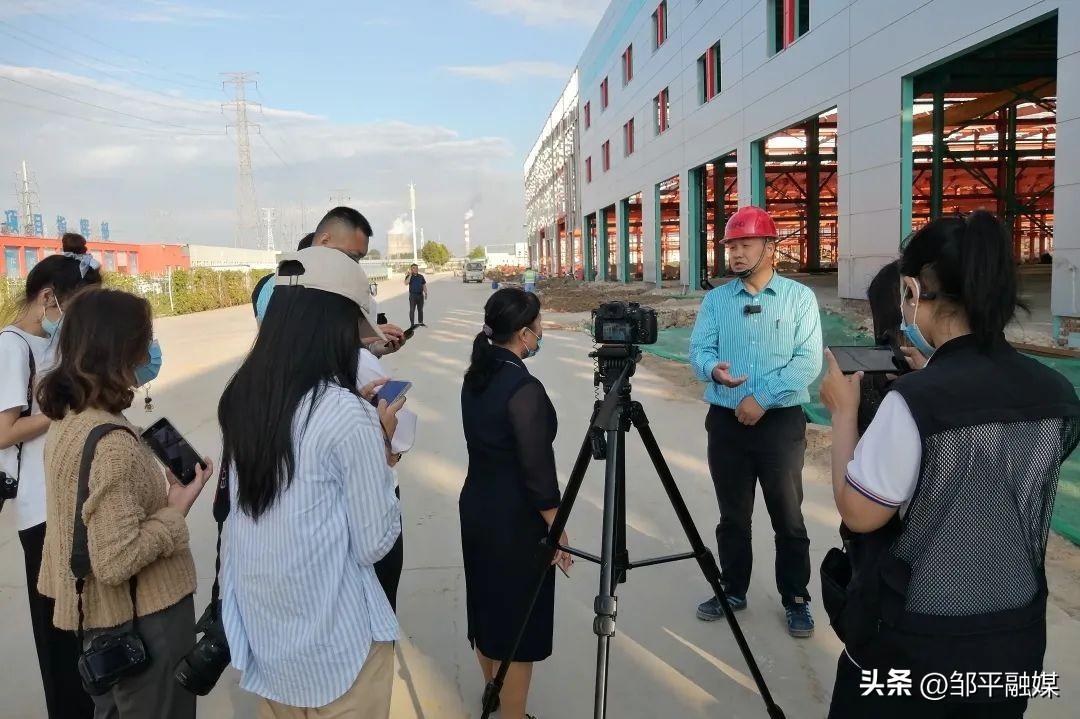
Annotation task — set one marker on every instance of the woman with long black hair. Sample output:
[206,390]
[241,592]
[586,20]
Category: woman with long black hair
[311,482]
[967,451]
[511,493]
[27,352]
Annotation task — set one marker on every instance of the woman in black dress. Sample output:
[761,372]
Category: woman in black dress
[510,495]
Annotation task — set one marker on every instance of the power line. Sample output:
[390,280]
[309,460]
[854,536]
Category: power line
[77,61]
[200,83]
[100,107]
[266,141]
[130,98]
[107,123]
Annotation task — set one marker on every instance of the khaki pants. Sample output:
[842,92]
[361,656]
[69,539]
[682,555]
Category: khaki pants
[367,698]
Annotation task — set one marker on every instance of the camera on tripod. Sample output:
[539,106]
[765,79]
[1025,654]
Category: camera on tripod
[624,323]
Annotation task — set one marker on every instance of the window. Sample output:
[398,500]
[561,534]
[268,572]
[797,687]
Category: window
[662,112]
[605,155]
[30,257]
[11,261]
[603,94]
[110,261]
[588,169]
[788,21]
[628,137]
[133,262]
[659,25]
[628,64]
[588,115]
[709,74]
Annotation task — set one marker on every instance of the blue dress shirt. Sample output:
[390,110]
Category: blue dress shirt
[778,348]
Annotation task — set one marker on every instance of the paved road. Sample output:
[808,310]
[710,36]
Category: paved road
[665,663]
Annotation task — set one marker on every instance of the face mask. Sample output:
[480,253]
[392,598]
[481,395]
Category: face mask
[912,332]
[539,343]
[51,327]
[148,371]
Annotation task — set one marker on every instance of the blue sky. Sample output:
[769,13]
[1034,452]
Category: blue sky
[360,95]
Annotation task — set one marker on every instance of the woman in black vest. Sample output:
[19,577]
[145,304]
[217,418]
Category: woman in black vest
[510,495]
[968,451]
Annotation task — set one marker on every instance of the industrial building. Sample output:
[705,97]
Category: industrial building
[852,121]
[510,255]
[552,190]
[20,254]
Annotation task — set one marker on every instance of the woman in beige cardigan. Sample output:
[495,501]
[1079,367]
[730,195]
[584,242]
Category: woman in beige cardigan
[135,520]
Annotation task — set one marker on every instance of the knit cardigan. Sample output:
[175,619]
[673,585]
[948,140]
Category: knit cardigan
[131,530]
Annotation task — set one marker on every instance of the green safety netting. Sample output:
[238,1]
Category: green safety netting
[674,344]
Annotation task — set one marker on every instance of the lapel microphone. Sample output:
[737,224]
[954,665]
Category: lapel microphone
[752,310]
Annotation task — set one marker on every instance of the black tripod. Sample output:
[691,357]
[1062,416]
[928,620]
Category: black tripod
[605,440]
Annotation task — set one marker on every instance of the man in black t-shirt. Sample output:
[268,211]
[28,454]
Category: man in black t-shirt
[417,294]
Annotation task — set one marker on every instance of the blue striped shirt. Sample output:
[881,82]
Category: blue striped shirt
[300,600]
[778,349]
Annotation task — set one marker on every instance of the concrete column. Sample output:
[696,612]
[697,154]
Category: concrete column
[1065,282]
[650,213]
[621,260]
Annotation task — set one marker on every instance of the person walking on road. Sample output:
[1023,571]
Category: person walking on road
[757,342]
[417,295]
[529,278]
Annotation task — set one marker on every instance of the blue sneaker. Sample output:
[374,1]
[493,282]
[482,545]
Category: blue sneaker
[799,622]
[710,610]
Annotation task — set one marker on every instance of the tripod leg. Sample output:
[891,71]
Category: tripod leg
[622,557]
[704,556]
[605,603]
[546,552]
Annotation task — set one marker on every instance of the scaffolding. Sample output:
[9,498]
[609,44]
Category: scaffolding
[983,136]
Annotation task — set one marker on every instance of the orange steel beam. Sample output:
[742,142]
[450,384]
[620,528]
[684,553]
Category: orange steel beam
[963,112]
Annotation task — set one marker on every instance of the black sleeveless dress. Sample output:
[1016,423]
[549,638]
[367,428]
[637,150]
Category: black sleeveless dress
[509,430]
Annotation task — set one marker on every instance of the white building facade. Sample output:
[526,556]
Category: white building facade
[851,121]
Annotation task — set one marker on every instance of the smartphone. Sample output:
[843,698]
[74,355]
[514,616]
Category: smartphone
[391,391]
[870,359]
[173,450]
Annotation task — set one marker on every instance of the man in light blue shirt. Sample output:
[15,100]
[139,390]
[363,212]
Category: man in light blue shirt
[757,342]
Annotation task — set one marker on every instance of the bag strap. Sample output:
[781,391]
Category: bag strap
[222,505]
[29,400]
[80,549]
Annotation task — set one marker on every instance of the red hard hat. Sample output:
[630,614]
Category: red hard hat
[750,222]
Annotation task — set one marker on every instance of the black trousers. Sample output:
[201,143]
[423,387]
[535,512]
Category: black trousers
[848,702]
[416,304]
[57,650]
[388,569]
[770,452]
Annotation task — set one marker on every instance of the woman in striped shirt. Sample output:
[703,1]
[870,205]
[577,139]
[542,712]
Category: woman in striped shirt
[311,481]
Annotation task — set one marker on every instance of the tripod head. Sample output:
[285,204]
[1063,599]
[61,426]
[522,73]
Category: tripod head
[612,361]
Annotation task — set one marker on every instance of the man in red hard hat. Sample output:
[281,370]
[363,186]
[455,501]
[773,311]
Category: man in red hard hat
[757,343]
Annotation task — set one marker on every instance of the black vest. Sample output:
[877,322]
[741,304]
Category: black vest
[963,587]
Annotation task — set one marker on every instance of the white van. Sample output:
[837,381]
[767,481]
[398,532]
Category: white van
[474,272]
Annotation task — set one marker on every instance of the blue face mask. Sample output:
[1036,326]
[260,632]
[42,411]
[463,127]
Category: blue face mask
[912,332]
[539,343]
[148,371]
[51,327]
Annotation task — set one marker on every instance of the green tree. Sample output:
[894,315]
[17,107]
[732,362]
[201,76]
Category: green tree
[435,254]
[374,254]
[478,253]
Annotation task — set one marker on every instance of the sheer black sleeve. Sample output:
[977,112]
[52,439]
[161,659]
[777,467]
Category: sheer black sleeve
[530,417]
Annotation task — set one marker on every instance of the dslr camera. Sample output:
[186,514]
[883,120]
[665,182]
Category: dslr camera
[624,323]
[9,486]
[201,668]
[109,658]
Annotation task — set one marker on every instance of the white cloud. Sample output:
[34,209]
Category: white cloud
[154,182]
[510,71]
[546,12]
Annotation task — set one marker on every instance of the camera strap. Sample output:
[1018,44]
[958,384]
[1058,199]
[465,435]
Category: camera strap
[80,549]
[222,505]
[29,401]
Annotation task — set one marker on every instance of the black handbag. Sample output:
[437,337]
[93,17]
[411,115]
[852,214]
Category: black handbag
[112,655]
